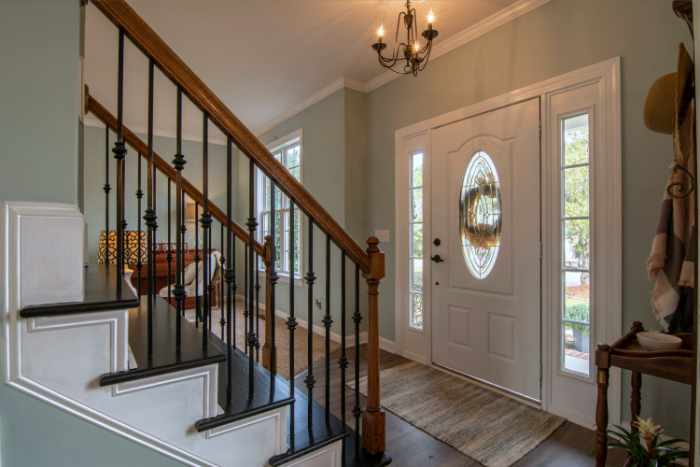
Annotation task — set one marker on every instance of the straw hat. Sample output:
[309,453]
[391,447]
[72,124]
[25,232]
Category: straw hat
[669,96]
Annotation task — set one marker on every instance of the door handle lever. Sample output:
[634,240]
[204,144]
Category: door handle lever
[437,259]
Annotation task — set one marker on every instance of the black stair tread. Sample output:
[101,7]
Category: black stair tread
[164,358]
[323,432]
[270,391]
[100,295]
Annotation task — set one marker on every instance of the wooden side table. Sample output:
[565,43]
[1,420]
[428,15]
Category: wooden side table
[626,353]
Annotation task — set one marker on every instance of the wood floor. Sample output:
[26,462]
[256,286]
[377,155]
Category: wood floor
[569,446]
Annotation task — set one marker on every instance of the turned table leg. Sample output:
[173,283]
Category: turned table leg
[636,398]
[602,379]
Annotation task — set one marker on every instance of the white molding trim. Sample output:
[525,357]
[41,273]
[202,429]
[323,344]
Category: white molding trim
[607,74]
[488,24]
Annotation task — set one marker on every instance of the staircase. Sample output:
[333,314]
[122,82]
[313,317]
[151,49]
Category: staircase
[91,341]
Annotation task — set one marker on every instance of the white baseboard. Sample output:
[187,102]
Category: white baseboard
[388,345]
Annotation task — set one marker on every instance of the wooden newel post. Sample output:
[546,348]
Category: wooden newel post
[373,420]
[269,351]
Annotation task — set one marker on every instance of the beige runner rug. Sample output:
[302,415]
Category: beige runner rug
[486,426]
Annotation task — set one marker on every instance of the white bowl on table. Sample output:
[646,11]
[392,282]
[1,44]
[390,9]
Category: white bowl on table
[652,340]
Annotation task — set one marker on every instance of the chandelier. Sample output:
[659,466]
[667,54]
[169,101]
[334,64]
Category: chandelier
[409,56]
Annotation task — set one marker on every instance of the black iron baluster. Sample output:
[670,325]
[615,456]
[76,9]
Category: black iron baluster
[106,188]
[343,362]
[357,318]
[257,306]
[291,321]
[150,216]
[252,224]
[206,234]
[169,258]
[179,164]
[119,155]
[197,258]
[327,323]
[246,330]
[310,279]
[139,252]
[230,273]
[222,321]
[273,280]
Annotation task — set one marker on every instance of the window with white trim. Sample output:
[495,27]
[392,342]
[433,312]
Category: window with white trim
[415,239]
[575,244]
[289,153]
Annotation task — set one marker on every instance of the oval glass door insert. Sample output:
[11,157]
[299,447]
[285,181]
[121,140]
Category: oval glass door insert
[480,215]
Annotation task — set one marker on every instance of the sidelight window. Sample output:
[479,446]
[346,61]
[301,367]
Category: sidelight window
[576,245]
[415,236]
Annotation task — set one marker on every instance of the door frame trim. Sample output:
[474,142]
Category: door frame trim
[607,75]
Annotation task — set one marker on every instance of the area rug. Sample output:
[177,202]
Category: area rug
[493,429]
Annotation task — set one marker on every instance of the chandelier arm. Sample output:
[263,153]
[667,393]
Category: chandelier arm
[398,22]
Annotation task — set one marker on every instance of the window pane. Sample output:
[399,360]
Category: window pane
[576,244]
[417,170]
[417,275]
[293,154]
[417,205]
[576,345]
[416,241]
[575,140]
[416,318]
[577,291]
[576,197]
[296,172]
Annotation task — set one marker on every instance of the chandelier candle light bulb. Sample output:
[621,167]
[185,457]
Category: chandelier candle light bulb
[409,56]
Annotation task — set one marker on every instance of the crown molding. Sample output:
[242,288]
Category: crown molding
[488,24]
[318,96]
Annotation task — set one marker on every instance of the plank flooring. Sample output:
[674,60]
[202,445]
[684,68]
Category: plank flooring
[569,446]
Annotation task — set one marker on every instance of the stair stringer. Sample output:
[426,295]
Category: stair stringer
[59,359]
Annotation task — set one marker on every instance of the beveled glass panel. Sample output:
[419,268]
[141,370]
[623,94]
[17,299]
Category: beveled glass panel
[416,240]
[417,170]
[416,319]
[576,191]
[417,205]
[417,275]
[577,293]
[577,244]
[575,140]
[576,344]
[480,215]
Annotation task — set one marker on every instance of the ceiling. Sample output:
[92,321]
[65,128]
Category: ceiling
[261,57]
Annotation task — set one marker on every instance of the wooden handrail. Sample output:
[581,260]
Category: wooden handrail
[98,110]
[144,37]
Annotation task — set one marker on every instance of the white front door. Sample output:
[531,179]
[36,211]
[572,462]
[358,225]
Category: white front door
[485,203]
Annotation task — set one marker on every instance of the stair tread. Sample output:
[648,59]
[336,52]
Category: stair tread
[164,357]
[270,391]
[100,295]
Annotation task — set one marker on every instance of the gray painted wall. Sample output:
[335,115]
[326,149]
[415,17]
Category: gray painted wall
[40,93]
[556,38]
